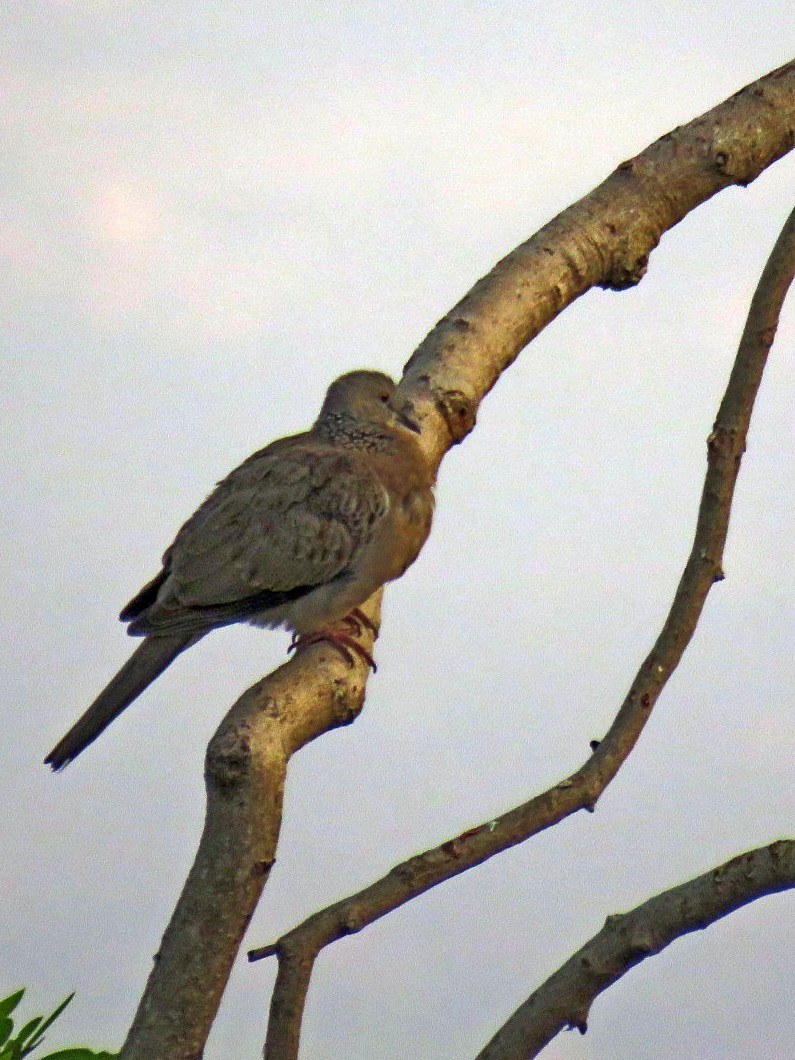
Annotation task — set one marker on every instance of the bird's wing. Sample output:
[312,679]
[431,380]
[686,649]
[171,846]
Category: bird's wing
[292,516]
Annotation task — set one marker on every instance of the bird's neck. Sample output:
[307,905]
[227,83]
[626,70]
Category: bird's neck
[340,428]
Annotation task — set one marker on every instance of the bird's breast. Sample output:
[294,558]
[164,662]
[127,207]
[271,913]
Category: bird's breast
[402,534]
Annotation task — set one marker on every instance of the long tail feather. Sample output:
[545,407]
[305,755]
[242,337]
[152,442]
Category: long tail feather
[146,663]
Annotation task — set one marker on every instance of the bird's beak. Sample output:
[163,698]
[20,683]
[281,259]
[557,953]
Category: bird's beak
[406,420]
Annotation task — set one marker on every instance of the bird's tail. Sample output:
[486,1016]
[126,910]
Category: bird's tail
[146,663]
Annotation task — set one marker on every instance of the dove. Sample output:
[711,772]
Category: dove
[298,536]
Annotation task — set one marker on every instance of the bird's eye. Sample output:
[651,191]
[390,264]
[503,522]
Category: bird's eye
[383,397]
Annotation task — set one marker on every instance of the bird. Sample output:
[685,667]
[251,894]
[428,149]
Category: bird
[298,536]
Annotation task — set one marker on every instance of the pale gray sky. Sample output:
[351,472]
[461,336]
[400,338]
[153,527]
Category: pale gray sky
[210,209]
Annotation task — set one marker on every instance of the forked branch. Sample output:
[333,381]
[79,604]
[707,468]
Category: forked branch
[604,240]
[298,949]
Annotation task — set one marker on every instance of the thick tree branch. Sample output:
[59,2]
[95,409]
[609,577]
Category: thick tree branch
[245,772]
[298,949]
[603,240]
[565,999]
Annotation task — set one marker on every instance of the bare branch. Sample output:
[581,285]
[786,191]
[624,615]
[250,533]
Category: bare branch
[605,240]
[245,772]
[565,999]
[726,444]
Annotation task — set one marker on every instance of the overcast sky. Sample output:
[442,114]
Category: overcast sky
[208,211]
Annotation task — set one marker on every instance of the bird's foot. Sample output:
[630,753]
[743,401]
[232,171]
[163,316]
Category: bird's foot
[358,621]
[343,642]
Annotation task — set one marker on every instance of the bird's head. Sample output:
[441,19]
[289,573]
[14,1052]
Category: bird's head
[369,399]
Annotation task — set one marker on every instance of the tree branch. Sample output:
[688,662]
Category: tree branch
[298,949]
[245,773]
[603,240]
[565,999]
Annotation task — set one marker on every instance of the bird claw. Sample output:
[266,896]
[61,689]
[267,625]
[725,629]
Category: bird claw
[358,621]
[344,643]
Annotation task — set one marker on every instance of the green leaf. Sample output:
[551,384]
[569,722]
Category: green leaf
[32,1034]
[79,1054]
[8,1004]
[6,1026]
[48,1022]
[22,1040]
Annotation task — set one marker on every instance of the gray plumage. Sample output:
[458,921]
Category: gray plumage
[299,535]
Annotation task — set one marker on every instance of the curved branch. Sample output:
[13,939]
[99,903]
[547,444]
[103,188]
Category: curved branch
[565,999]
[605,240]
[298,949]
[245,773]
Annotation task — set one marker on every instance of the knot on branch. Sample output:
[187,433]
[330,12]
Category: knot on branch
[735,166]
[347,702]
[724,442]
[737,153]
[625,253]
[578,1020]
[231,758]
[228,758]
[457,410]
[638,945]
[625,271]
[352,921]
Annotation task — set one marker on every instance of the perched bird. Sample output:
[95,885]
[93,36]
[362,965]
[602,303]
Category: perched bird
[299,535]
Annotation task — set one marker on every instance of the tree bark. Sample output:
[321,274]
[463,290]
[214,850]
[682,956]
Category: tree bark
[565,999]
[298,949]
[603,240]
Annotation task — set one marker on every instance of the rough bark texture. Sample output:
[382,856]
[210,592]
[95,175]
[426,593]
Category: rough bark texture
[245,772]
[603,240]
[298,949]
